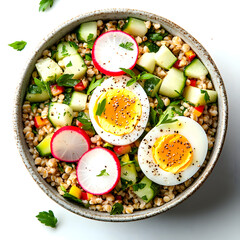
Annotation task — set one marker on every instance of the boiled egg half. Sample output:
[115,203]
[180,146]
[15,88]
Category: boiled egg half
[172,153]
[126,111]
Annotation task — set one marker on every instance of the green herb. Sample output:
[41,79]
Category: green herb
[53,53]
[47,86]
[73,198]
[101,107]
[88,56]
[40,84]
[125,163]
[108,145]
[47,218]
[34,105]
[144,198]
[94,84]
[34,130]
[82,118]
[160,102]
[90,40]
[153,117]
[176,111]
[127,45]
[135,78]
[60,167]
[67,98]
[44,4]
[34,89]
[138,186]
[133,150]
[206,95]
[69,64]
[18,45]
[175,103]
[125,183]
[66,80]
[73,44]
[64,51]
[70,164]
[155,36]
[103,173]
[166,119]
[117,208]
[152,46]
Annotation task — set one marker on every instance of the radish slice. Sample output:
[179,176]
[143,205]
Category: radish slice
[69,144]
[98,171]
[108,56]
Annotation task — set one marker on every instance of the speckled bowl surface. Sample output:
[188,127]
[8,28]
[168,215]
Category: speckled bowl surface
[109,14]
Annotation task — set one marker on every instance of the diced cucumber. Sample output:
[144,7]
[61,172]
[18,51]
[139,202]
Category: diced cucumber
[73,64]
[65,49]
[48,69]
[146,189]
[152,85]
[165,58]
[196,95]
[171,111]
[147,62]
[60,114]
[37,97]
[135,27]
[78,101]
[195,69]
[44,146]
[85,30]
[128,171]
[173,83]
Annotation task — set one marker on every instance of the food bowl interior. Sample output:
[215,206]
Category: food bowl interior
[110,14]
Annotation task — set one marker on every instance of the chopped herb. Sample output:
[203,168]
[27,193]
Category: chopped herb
[18,45]
[125,183]
[70,164]
[90,40]
[160,102]
[155,36]
[82,118]
[176,111]
[125,174]
[117,208]
[175,103]
[127,45]
[153,117]
[206,95]
[34,130]
[47,85]
[133,150]
[73,44]
[138,186]
[53,53]
[67,98]
[66,80]
[144,198]
[69,64]
[44,4]
[34,89]
[60,167]
[103,173]
[64,51]
[34,105]
[129,72]
[101,107]
[47,218]
[166,119]
[108,145]
[88,56]
[94,84]
[126,163]
[73,198]
[152,46]
[40,84]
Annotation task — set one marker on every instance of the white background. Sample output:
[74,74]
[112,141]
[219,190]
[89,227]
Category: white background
[213,212]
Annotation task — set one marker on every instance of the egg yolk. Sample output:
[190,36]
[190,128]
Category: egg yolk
[173,153]
[122,111]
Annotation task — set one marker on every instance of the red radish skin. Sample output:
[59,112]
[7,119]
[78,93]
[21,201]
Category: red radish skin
[105,71]
[71,129]
[118,168]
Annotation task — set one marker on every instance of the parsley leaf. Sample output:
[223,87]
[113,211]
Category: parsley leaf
[155,36]
[60,167]
[47,218]
[127,45]
[129,72]
[144,198]
[90,41]
[152,46]
[166,119]
[125,183]
[73,44]
[82,118]
[88,56]
[64,51]
[101,107]
[69,64]
[153,117]
[44,4]
[138,186]
[94,84]
[125,163]
[206,95]
[117,208]
[18,45]
[103,173]
[66,80]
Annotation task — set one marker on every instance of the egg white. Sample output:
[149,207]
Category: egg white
[120,82]
[195,135]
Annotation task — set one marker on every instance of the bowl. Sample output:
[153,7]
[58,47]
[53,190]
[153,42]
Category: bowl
[106,14]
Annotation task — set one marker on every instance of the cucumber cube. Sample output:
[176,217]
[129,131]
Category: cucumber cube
[135,27]
[48,69]
[196,95]
[165,58]
[173,84]
[195,69]
[37,97]
[87,29]
[147,62]
[44,146]
[74,64]
[65,49]
[78,101]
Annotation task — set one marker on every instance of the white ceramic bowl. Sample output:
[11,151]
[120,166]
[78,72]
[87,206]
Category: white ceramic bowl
[109,14]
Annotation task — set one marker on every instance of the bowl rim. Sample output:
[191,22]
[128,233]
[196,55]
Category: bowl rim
[52,193]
